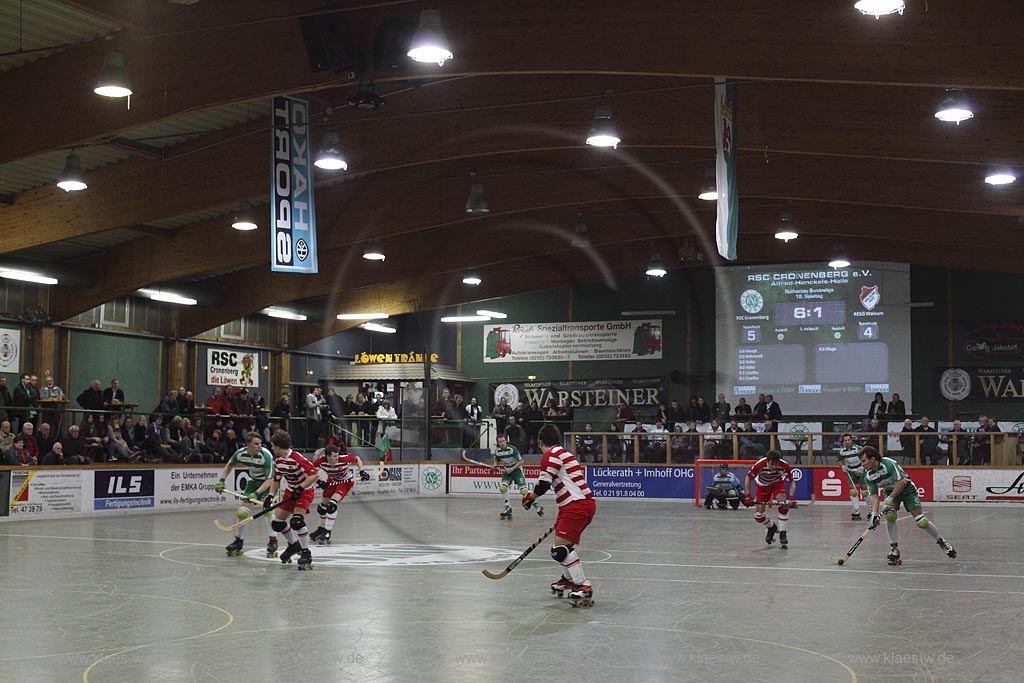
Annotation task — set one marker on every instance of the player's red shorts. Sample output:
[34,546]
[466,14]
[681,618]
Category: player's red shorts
[303,503]
[763,494]
[341,489]
[573,518]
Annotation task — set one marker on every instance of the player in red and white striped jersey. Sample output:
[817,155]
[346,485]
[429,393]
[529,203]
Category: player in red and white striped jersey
[770,475]
[299,475]
[336,486]
[561,471]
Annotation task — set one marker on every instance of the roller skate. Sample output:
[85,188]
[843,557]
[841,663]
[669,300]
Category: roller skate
[324,538]
[783,540]
[286,556]
[305,560]
[855,516]
[272,548]
[559,587]
[506,513]
[948,547]
[582,595]
[539,509]
[234,549]
[315,536]
[894,555]
[769,537]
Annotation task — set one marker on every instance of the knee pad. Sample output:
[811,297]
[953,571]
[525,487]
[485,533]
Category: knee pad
[279,525]
[890,516]
[759,517]
[332,507]
[783,509]
[298,522]
[503,488]
[922,522]
[322,510]
[560,552]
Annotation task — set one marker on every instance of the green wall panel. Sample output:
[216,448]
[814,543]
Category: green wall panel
[134,361]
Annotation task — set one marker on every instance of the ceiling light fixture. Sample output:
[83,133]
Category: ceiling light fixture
[602,131]
[877,8]
[373,252]
[464,318]
[492,314]
[26,276]
[244,219]
[362,316]
[477,202]
[168,297]
[581,237]
[656,268]
[329,157]
[366,97]
[786,229]
[839,258]
[283,313]
[709,189]
[113,80]
[1001,178]
[377,327]
[429,44]
[71,178]
[954,107]
[471,277]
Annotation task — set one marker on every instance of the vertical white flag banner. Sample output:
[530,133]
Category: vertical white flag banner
[727,225]
[293,217]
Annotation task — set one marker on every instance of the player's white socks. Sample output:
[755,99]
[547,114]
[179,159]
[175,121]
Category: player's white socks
[763,518]
[856,503]
[289,535]
[240,532]
[931,528]
[783,520]
[270,529]
[303,538]
[328,521]
[572,569]
[506,498]
[893,531]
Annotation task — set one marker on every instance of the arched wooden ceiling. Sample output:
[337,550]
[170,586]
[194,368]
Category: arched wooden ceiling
[835,125]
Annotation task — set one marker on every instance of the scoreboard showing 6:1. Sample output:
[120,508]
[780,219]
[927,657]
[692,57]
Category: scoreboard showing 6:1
[800,333]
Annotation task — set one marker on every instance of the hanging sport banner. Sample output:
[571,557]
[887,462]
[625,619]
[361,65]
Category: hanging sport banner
[565,341]
[293,217]
[237,368]
[727,225]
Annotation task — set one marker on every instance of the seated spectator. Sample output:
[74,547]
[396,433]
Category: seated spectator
[587,445]
[6,438]
[117,446]
[94,438]
[982,454]
[75,447]
[959,444]
[229,400]
[91,399]
[168,406]
[232,442]
[194,449]
[714,440]
[283,410]
[157,446]
[113,396]
[877,410]
[55,456]
[44,438]
[186,402]
[243,404]
[742,409]
[878,442]
[216,447]
[908,444]
[930,453]
[213,402]
[141,430]
[680,445]
[624,413]
[662,414]
[751,447]
[28,431]
[730,444]
[655,447]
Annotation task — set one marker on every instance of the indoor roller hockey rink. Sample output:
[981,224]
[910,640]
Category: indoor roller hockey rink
[681,594]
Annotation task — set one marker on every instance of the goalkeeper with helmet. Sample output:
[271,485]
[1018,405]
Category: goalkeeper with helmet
[726,489]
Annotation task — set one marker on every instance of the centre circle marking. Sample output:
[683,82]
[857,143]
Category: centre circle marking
[397,555]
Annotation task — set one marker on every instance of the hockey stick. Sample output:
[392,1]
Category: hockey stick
[515,563]
[239,525]
[841,561]
[475,462]
[242,496]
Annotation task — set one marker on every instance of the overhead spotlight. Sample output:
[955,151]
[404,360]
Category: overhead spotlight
[376,327]
[602,131]
[283,313]
[492,314]
[71,178]
[471,277]
[429,43]
[168,297]
[362,316]
[328,157]
[366,97]
[709,188]
[464,318]
[1001,178]
[373,251]
[244,220]
[879,7]
[656,268]
[113,81]
[477,202]
[581,237]
[786,230]
[954,107]
[839,258]
[26,276]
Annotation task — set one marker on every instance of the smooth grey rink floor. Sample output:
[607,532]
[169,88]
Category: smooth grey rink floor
[682,594]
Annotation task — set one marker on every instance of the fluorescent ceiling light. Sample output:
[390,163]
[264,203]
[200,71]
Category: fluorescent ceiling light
[168,297]
[113,80]
[429,44]
[71,178]
[1002,178]
[362,316]
[492,314]
[377,327]
[464,318]
[603,132]
[27,276]
[879,7]
[282,313]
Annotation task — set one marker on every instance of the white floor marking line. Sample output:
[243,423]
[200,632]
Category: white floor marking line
[107,540]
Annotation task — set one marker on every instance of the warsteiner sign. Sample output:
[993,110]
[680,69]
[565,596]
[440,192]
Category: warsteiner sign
[981,384]
[293,217]
[583,393]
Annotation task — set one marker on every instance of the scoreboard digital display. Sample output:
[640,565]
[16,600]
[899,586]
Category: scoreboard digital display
[821,340]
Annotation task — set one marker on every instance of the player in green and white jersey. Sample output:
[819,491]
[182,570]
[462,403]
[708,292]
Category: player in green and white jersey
[884,475]
[508,460]
[849,457]
[260,463]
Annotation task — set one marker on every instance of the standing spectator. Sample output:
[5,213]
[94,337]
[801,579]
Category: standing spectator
[522,415]
[51,391]
[44,438]
[501,413]
[586,445]
[703,411]
[693,410]
[897,408]
[168,406]
[91,399]
[616,448]
[878,409]
[113,396]
[5,399]
[186,402]
[335,406]
[624,414]
[761,407]
[773,412]
[228,401]
[55,456]
[75,447]
[721,410]
[930,454]
[24,401]
[674,414]
[514,433]
[743,410]
[315,405]
[567,415]
[282,411]
[368,407]
[385,413]
[471,432]
[243,404]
